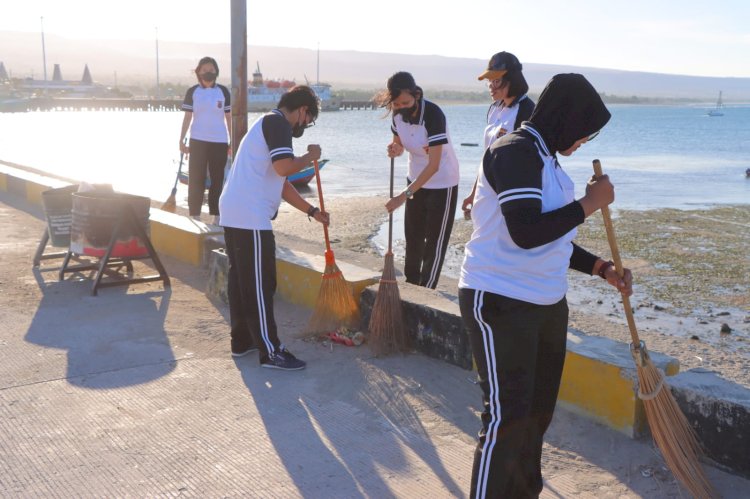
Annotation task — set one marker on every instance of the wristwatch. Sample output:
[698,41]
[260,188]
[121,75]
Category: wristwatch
[409,194]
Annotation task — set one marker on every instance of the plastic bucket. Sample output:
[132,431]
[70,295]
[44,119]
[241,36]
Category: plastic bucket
[95,215]
[58,206]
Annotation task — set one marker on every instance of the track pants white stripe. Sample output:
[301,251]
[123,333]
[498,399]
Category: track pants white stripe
[432,282]
[258,256]
[494,399]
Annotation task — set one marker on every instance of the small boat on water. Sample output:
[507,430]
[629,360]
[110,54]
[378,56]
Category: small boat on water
[717,110]
[299,179]
[304,176]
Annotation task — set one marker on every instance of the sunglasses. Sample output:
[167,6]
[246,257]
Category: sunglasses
[311,122]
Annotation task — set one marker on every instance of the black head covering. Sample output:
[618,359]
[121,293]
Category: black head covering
[568,110]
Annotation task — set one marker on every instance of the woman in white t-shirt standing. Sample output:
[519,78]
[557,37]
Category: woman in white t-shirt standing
[208,115]
[514,280]
[510,105]
[419,127]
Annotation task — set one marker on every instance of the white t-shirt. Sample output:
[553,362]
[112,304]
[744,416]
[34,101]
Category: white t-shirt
[209,107]
[429,130]
[492,261]
[501,119]
[252,192]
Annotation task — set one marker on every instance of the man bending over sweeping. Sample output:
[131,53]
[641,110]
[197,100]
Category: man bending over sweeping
[251,197]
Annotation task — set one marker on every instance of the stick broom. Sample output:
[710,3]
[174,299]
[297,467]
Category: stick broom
[170,204]
[387,331]
[670,429]
[335,306]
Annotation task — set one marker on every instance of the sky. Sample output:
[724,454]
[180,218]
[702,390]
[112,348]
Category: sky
[700,38]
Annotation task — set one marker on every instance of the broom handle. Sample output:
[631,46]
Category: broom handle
[320,200]
[179,168]
[618,261]
[390,215]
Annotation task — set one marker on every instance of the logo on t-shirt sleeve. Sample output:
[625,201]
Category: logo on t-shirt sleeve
[219,104]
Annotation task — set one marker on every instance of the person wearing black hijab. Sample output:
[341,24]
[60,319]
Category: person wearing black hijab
[513,280]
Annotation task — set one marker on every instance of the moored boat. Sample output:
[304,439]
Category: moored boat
[299,179]
[264,95]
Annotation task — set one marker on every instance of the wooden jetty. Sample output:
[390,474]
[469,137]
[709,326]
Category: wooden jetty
[32,104]
[88,104]
[358,104]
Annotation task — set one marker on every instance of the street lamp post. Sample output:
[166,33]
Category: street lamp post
[158,94]
[44,55]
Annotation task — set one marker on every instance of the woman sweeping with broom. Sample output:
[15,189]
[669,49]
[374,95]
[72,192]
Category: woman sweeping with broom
[253,192]
[513,280]
[419,127]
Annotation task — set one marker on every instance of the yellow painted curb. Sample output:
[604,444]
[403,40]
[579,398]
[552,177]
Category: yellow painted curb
[179,237]
[34,192]
[599,381]
[299,275]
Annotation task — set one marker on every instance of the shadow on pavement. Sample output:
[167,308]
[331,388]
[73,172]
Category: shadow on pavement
[119,329]
[348,427]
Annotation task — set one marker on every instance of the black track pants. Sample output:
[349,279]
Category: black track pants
[428,222]
[211,158]
[519,349]
[251,286]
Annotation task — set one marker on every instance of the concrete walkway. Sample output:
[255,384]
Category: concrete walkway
[133,393]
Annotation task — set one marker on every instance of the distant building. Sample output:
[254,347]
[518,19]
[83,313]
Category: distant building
[3,73]
[85,87]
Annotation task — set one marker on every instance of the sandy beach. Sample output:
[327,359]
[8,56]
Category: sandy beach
[691,270]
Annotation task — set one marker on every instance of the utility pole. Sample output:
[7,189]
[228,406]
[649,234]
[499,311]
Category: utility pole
[44,55]
[157,64]
[238,14]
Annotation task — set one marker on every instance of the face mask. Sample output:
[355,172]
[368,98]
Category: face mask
[298,130]
[406,113]
[209,77]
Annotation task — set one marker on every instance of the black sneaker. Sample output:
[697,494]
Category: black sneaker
[243,352]
[283,359]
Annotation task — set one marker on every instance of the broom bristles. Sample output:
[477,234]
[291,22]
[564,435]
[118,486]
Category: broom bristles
[671,431]
[335,306]
[170,204]
[387,331]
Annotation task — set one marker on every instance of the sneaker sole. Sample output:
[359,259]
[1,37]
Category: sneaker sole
[271,366]
[246,352]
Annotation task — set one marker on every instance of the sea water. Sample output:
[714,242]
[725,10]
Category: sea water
[657,156]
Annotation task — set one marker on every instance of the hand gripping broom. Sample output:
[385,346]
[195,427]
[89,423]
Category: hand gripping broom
[670,429]
[387,331]
[336,306]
